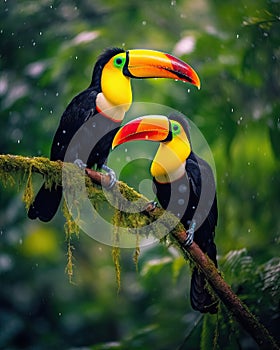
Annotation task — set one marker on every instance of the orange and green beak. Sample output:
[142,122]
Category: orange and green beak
[155,64]
[149,128]
[174,145]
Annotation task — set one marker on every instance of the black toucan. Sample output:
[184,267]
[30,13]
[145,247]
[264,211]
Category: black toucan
[184,185]
[98,111]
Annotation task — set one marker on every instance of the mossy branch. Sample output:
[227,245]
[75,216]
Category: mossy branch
[51,171]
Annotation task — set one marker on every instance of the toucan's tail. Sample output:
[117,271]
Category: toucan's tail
[46,203]
[201,298]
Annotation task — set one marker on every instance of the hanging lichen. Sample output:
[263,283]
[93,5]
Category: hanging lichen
[28,194]
[136,251]
[70,225]
[70,265]
[116,252]
[70,228]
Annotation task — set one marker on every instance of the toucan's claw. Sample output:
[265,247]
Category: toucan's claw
[151,206]
[110,172]
[188,242]
[80,164]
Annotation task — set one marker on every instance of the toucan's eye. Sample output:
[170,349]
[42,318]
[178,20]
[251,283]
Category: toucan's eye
[175,128]
[119,62]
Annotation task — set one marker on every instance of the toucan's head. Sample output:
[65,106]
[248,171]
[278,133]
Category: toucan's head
[173,135]
[115,67]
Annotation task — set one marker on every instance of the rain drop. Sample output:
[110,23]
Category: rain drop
[63,131]
[57,94]
[125,150]
[181,201]
[239,120]
[173,3]
[144,23]
[237,36]
[182,188]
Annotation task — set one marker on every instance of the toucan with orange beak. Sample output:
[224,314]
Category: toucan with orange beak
[98,111]
[185,185]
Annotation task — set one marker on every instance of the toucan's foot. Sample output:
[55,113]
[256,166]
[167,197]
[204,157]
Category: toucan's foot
[112,174]
[151,206]
[80,164]
[190,233]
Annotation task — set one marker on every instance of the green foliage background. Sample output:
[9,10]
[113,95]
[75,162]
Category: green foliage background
[47,52]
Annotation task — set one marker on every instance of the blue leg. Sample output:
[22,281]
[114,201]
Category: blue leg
[190,232]
[80,164]
[152,205]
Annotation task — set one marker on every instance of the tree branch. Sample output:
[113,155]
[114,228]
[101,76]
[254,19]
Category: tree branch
[9,165]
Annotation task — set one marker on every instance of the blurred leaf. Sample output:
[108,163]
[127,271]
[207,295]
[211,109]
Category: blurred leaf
[153,266]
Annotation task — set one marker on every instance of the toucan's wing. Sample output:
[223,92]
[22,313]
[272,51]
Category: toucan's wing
[79,110]
[199,170]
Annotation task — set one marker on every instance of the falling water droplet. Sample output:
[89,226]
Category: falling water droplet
[182,188]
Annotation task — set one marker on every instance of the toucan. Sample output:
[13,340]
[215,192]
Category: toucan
[98,111]
[184,184]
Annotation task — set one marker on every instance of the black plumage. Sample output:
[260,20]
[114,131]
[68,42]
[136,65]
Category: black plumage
[91,145]
[193,197]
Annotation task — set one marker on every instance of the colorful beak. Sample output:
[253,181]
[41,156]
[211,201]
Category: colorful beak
[149,128]
[155,64]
